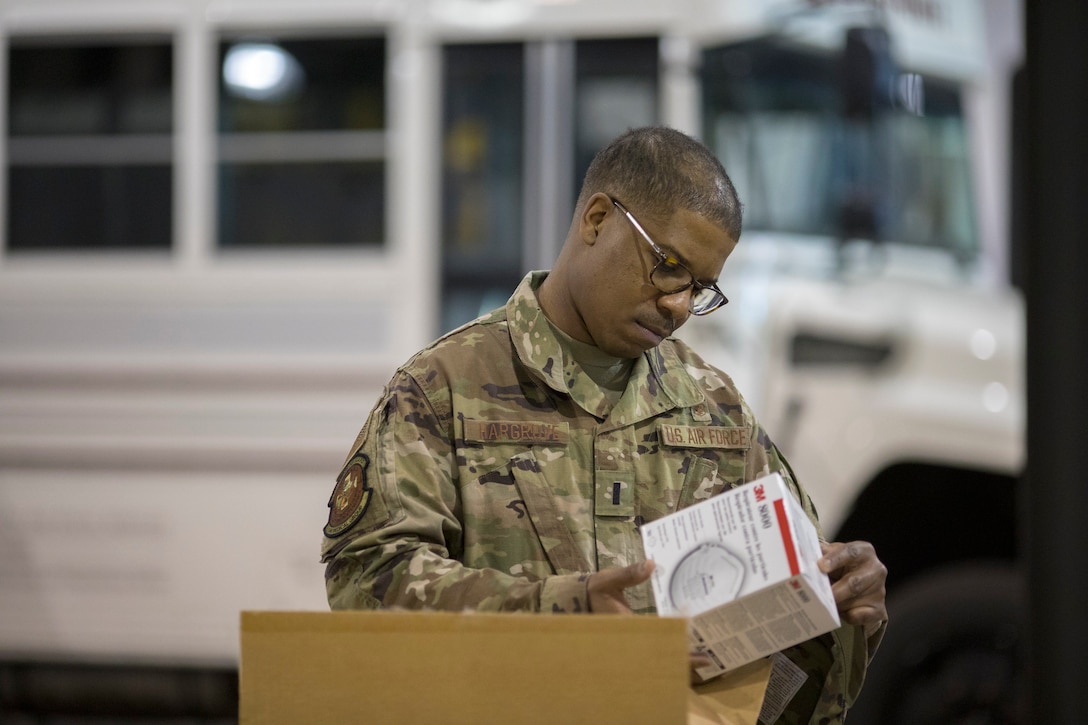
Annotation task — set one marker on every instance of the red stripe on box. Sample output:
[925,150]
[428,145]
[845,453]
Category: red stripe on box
[787,538]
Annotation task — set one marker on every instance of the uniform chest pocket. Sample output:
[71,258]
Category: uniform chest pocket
[551,517]
[712,458]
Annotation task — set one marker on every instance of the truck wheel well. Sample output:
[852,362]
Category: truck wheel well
[954,652]
[921,516]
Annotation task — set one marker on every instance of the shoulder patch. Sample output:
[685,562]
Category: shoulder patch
[350,498]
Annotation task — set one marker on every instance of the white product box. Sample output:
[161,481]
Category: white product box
[742,567]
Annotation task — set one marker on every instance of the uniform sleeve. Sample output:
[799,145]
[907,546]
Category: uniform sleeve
[834,663]
[395,534]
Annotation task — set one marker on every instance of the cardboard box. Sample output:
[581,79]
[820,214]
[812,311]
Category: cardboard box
[735,698]
[741,567]
[416,667]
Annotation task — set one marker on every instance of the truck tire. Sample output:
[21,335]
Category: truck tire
[954,652]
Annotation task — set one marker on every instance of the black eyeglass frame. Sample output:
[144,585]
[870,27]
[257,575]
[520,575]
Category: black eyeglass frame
[720,300]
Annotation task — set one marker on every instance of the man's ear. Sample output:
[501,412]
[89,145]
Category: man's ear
[596,209]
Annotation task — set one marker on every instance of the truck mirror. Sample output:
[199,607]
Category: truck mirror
[868,73]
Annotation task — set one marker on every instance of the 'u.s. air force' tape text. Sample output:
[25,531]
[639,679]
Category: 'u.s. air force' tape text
[704,436]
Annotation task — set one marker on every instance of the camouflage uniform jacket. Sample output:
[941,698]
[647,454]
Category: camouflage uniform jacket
[494,475]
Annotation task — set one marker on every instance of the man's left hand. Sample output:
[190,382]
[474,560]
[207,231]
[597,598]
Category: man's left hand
[857,581]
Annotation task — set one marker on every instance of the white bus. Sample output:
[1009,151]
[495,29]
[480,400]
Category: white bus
[225,222]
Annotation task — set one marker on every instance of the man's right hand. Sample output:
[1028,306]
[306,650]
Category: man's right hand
[606,587]
[606,597]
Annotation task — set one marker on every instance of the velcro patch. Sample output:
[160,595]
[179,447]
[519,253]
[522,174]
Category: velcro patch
[350,497]
[704,436]
[516,431]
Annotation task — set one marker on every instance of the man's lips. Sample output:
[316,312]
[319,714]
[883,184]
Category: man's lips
[658,331]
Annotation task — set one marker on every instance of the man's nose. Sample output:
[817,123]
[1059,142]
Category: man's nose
[678,305]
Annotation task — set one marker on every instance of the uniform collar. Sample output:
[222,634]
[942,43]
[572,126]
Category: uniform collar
[659,382]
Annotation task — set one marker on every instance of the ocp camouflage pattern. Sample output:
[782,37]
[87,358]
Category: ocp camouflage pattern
[500,477]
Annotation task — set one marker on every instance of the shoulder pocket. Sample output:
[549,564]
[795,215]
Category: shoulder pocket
[700,483]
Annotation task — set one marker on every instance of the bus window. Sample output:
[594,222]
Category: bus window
[90,127]
[482,170]
[616,89]
[301,143]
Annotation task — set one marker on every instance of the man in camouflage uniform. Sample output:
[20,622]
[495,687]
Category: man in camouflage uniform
[509,465]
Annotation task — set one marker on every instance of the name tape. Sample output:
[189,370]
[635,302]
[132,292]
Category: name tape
[516,431]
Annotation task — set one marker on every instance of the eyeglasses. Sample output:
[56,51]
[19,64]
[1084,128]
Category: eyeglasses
[670,275]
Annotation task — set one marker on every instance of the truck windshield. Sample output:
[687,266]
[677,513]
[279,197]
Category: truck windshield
[773,116]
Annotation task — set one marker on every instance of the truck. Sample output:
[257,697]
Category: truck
[226,222]
[879,351]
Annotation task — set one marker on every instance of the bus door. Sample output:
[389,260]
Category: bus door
[520,123]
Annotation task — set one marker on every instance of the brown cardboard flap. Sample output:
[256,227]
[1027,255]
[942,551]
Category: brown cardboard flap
[416,667]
